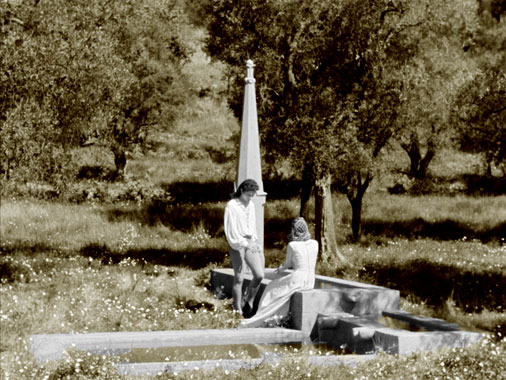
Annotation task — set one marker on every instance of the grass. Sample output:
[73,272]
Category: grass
[110,267]
[69,228]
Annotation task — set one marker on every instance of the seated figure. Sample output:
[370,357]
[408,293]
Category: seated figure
[301,256]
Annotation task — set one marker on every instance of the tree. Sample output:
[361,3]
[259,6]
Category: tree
[430,80]
[480,107]
[94,71]
[327,100]
[151,41]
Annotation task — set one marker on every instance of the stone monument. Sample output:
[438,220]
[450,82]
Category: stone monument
[249,165]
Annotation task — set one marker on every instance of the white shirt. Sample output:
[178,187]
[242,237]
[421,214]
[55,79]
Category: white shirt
[240,223]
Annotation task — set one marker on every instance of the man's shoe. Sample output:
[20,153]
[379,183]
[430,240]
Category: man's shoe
[247,311]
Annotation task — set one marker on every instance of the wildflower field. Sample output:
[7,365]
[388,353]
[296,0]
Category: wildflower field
[90,267]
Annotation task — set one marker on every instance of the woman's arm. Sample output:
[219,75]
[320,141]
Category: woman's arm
[288,260]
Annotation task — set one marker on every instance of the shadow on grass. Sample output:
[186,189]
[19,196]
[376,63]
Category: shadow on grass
[444,230]
[203,203]
[18,271]
[194,193]
[188,217]
[480,185]
[435,283]
[196,258]
[25,248]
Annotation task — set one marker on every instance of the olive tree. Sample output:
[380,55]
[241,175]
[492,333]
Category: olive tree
[480,107]
[100,71]
[437,35]
[328,93]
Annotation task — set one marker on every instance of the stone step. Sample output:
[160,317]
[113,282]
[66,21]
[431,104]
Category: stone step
[52,346]
[427,323]
[364,334]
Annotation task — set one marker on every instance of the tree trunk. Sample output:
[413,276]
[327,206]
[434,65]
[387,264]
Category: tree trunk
[424,163]
[413,151]
[305,193]
[356,218]
[120,161]
[325,230]
[418,164]
[488,172]
[356,196]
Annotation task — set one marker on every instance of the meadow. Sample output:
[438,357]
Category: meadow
[136,255]
[73,268]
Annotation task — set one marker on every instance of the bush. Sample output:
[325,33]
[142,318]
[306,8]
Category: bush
[106,192]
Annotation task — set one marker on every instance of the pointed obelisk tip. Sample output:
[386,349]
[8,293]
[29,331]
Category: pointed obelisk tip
[249,73]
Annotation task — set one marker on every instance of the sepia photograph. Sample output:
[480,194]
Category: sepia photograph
[252,189]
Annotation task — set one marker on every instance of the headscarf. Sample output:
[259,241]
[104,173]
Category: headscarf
[300,231]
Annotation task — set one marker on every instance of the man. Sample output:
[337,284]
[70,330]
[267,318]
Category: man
[241,233]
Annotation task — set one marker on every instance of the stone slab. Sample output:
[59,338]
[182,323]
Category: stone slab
[431,324]
[348,360]
[235,364]
[52,346]
[177,367]
[325,282]
[364,335]
[221,281]
[306,305]
[406,342]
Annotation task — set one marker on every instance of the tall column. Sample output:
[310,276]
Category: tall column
[249,154]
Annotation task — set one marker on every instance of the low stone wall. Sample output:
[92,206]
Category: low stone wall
[52,346]
[348,314]
[331,295]
[363,335]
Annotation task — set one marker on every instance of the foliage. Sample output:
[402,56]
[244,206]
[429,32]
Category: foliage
[93,72]
[327,101]
[30,139]
[436,33]
[305,72]
[480,108]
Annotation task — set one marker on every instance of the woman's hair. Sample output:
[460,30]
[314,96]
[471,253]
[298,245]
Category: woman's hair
[246,185]
[300,231]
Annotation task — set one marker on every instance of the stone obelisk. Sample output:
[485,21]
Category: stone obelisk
[249,154]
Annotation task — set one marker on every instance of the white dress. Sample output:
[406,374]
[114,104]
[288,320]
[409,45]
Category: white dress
[275,301]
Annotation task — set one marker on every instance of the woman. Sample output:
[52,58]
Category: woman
[301,256]
[241,233]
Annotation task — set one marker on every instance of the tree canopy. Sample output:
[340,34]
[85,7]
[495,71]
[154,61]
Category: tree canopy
[76,71]
[432,78]
[327,84]
[480,105]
